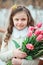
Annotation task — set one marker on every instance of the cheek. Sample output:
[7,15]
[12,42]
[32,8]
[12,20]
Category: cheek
[15,23]
[25,23]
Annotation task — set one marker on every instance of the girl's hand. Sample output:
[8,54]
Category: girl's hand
[19,54]
[16,61]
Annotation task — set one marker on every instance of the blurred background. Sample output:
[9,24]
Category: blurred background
[35,7]
[9,3]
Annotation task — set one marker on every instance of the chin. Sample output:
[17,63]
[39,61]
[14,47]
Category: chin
[20,28]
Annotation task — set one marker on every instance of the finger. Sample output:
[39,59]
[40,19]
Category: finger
[24,53]
[22,56]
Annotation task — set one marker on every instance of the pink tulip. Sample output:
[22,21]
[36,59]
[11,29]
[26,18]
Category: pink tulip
[31,28]
[39,25]
[37,32]
[39,38]
[29,34]
[35,27]
[30,46]
[42,32]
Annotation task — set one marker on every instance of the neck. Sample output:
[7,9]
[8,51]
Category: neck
[20,29]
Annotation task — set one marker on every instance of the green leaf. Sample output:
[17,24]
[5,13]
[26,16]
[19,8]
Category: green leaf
[29,57]
[16,44]
[32,39]
[9,62]
[23,47]
[25,41]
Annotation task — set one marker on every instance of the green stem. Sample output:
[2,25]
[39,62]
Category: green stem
[38,54]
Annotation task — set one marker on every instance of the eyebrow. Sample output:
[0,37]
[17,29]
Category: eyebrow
[23,18]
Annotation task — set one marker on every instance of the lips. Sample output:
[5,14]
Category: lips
[20,25]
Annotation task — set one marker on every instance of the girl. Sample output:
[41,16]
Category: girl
[19,21]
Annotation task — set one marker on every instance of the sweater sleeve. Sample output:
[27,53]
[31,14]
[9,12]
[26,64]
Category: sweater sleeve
[30,62]
[5,54]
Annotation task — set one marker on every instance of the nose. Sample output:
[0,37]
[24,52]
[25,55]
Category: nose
[20,21]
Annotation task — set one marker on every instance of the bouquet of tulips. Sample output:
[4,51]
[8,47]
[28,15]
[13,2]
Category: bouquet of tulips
[33,43]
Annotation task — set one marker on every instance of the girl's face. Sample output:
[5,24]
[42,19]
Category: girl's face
[20,20]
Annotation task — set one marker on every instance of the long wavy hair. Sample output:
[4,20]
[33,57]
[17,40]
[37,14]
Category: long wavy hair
[11,24]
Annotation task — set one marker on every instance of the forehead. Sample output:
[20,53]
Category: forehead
[21,14]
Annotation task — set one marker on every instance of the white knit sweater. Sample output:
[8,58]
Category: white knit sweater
[6,52]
